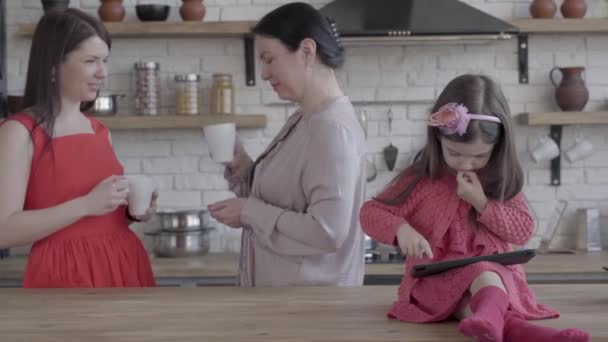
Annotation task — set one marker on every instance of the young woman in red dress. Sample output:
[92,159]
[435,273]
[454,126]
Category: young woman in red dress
[63,188]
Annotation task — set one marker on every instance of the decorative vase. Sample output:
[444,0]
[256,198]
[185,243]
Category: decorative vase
[573,8]
[48,5]
[571,94]
[543,9]
[192,10]
[111,10]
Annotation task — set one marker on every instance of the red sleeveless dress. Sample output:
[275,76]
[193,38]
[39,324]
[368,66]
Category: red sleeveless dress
[95,251]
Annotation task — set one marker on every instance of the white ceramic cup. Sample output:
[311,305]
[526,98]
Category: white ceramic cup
[581,149]
[221,139]
[545,149]
[140,194]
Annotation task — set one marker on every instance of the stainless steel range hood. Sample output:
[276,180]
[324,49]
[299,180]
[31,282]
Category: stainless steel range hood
[377,21]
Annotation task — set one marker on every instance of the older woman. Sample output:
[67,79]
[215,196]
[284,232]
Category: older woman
[298,202]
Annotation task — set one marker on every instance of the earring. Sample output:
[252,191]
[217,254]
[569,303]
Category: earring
[53,76]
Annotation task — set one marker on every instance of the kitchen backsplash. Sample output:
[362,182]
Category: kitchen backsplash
[404,78]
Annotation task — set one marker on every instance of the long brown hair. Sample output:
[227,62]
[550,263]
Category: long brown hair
[502,178]
[57,34]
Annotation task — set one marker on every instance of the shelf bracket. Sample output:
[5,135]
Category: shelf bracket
[556,135]
[522,57]
[249,61]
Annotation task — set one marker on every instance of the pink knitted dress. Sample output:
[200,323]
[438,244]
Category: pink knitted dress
[436,212]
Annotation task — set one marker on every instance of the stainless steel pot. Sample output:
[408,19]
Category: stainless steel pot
[181,244]
[184,220]
[370,244]
[106,105]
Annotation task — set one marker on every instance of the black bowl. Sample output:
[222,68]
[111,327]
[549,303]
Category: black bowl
[152,12]
[49,5]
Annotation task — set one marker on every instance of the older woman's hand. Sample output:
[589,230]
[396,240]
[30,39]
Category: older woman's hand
[228,211]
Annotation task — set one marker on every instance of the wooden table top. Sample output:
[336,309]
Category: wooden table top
[261,314]
[226,265]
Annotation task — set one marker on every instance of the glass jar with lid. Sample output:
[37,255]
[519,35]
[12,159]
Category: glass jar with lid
[147,88]
[187,94]
[222,94]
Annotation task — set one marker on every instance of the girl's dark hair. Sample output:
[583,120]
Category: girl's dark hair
[57,34]
[502,178]
[296,21]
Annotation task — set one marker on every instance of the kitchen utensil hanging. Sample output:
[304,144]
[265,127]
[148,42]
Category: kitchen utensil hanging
[370,167]
[390,152]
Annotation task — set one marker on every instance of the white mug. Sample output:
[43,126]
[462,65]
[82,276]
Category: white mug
[221,139]
[139,198]
[545,149]
[581,149]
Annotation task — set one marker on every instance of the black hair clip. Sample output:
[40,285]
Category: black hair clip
[334,29]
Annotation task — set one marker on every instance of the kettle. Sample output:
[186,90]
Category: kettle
[106,105]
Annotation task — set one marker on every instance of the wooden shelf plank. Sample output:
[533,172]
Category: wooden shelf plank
[175,121]
[241,28]
[590,25]
[563,118]
[164,28]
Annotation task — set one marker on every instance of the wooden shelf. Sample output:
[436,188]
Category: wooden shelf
[179,121]
[556,121]
[159,29]
[590,25]
[241,28]
[164,28]
[563,118]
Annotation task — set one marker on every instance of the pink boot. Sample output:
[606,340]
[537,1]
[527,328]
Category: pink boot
[518,329]
[489,306]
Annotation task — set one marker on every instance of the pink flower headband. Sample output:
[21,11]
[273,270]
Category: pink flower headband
[454,118]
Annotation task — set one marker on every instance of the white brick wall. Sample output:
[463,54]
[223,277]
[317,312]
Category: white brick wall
[405,78]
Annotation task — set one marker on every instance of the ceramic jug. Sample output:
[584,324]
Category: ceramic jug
[111,10]
[543,9]
[571,93]
[573,8]
[192,10]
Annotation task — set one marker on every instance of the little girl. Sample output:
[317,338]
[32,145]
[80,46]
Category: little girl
[462,198]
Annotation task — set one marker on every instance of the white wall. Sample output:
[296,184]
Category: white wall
[404,78]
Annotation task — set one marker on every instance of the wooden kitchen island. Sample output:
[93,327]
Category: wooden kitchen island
[265,314]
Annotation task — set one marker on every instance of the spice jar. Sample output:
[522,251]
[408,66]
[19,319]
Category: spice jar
[188,100]
[222,94]
[147,88]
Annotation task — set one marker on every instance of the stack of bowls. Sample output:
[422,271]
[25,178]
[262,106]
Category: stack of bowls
[182,233]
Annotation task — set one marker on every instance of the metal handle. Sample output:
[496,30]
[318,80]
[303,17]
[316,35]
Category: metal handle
[390,122]
[364,122]
[551,76]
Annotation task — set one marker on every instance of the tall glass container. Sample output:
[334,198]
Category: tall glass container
[147,88]
[222,94]
[187,94]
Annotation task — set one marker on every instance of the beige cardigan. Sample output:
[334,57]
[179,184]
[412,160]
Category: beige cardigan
[301,220]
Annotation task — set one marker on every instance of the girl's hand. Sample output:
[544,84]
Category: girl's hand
[470,190]
[412,243]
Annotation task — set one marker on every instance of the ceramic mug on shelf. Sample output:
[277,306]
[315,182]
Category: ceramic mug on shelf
[545,149]
[581,149]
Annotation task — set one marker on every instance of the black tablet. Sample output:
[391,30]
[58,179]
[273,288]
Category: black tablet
[510,258]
